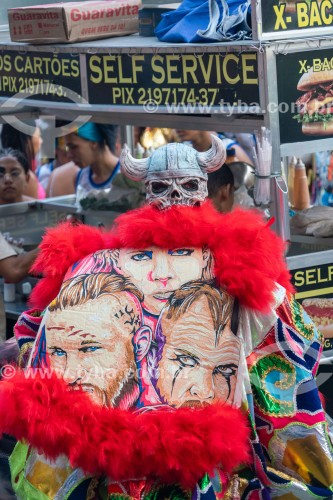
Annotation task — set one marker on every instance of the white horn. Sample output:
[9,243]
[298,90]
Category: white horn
[214,158]
[134,169]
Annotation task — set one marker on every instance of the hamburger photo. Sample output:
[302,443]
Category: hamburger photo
[290,5]
[321,313]
[315,106]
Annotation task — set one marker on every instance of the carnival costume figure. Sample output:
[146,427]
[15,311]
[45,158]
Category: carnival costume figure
[169,359]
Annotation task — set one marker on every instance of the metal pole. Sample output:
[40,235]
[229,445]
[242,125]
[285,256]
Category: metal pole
[279,190]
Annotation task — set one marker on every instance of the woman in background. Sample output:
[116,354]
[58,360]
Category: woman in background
[92,162]
[30,146]
[92,149]
[14,176]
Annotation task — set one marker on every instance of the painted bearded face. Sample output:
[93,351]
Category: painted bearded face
[195,368]
[158,272]
[90,346]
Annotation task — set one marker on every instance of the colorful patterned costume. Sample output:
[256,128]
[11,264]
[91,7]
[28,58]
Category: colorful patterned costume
[172,331]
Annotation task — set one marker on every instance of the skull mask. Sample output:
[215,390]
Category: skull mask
[175,174]
[188,191]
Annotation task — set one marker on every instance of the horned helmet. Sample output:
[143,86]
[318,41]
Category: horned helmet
[175,174]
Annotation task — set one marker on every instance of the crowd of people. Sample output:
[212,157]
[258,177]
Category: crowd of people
[177,307]
[87,159]
[168,306]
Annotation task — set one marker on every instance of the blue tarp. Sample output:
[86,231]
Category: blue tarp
[206,21]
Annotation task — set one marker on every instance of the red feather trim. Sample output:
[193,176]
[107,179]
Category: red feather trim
[249,257]
[64,245]
[172,446]
[61,247]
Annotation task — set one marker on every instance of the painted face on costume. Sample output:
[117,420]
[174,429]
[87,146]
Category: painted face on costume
[90,346]
[197,368]
[158,272]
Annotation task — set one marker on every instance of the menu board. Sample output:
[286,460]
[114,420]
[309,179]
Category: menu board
[177,83]
[305,97]
[292,18]
[40,75]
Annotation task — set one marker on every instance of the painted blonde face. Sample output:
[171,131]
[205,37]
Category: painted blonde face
[197,368]
[158,273]
[90,345]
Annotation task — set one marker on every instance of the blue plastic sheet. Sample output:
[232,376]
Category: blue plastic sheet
[197,21]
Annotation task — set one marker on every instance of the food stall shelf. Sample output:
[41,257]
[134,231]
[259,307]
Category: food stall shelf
[133,80]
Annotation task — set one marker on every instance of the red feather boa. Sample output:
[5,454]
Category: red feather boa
[172,446]
[249,257]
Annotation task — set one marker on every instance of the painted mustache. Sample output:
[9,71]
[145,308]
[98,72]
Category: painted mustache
[194,404]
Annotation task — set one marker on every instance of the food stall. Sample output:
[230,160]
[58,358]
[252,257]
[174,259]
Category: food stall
[139,81]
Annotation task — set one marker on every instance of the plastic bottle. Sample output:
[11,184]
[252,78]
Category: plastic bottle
[291,178]
[26,290]
[9,291]
[301,189]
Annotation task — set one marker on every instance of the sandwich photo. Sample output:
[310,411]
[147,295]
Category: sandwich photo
[290,7]
[321,312]
[315,106]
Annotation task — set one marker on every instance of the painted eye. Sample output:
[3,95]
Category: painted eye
[142,256]
[225,370]
[190,185]
[187,361]
[58,352]
[92,348]
[181,252]
[158,187]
